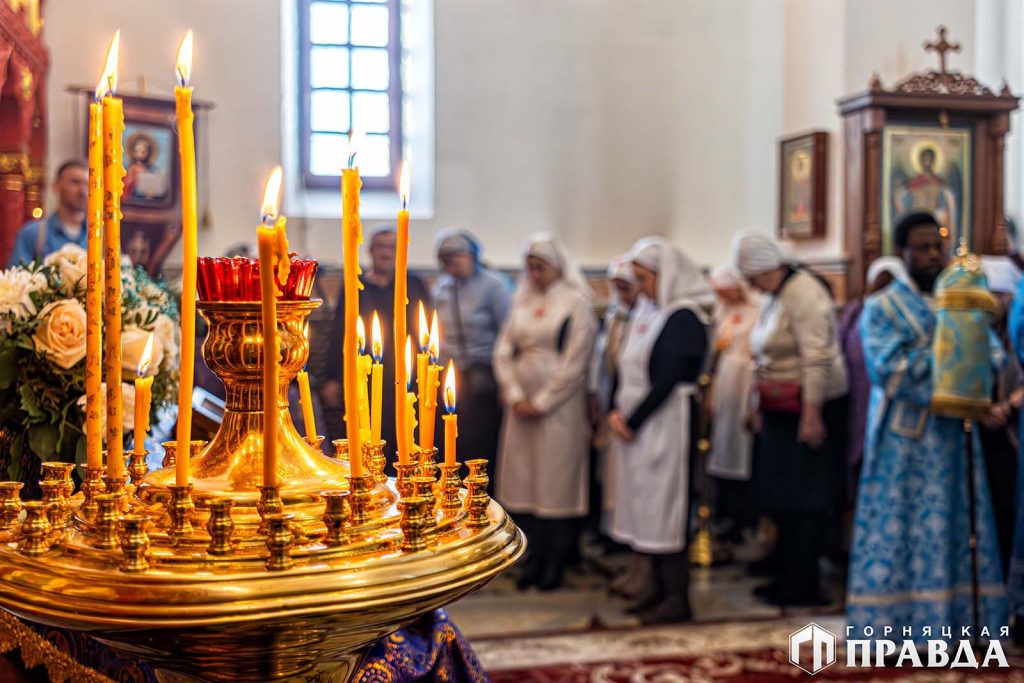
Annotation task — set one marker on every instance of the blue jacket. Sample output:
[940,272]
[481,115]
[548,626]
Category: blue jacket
[26,242]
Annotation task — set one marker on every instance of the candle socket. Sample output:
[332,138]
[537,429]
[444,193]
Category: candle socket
[477,468]
[171,451]
[341,449]
[317,442]
[116,485]
[279,541]
[269,504]
[137,468]
[134,544]
[450,484]
[477,502]
[403,478]
[220,526]
[428,462]
[92,485]
[10,504]
[60,471]
[52,498]
[374,460]
[106,520]
[180,509]
[414,523]
[423,487]
[335,517]
[360,493]
[35,530]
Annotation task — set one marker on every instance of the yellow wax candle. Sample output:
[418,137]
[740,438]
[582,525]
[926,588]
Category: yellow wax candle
[409,399]
[451,420]
[422,360]
[190,248]
[401,301]
[143,394]
[269,240]
[113,185]
[363,373]
[428,409]
[352,232]
[94,288]
[377,380]
[306,401]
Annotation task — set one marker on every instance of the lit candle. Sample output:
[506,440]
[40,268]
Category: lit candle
[352,237]
[401,301]
[270,234]
[364,377]
[422,360]
[410,396]
[377,379]
[113,186]
[94,283]
[429,407]
[306,401]
[143,393]
[451,420]
[189,243]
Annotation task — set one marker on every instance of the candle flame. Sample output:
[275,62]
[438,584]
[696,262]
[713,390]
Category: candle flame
[360,334]
[424,330]
[355,141]
[147,357]
[108,81]
[403,184]
[184,65]
[449,388]
[272,196]
[408,362]
[377,345]
[434,347]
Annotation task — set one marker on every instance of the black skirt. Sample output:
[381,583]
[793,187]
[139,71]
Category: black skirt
[792,476]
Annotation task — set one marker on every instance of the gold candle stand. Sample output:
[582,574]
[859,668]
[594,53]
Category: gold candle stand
[180,509]
[10,504]
[134,544]
[450,484]
[92,485]
[335,517]
[220,527]
[403,478]
[106,520]
[317,443]
[137,468]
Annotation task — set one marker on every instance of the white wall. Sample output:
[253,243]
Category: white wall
[601,119]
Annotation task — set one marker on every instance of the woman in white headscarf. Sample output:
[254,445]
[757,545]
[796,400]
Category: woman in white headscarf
[541,361]
[655,421]
[730,461]
[801,414]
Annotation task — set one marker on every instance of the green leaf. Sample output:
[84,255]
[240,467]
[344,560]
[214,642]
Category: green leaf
[42,439]
[29,403]
[8,366]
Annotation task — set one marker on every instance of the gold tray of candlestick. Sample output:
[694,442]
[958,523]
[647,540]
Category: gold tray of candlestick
[230,581]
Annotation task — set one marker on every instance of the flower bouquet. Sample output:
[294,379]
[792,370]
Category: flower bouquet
[42,352]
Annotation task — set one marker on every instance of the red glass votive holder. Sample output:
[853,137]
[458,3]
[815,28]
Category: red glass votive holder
[238,279]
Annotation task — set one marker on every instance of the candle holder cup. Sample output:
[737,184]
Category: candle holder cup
[340,449]
[360,494]
[195,448]
[450,484]
[106,521]
[10,504]
[403,478]
[477,502]
[414,523]
[335,517]
[134,544]
[317,442]
[35,530]
[52,497]
[92,485]
[423,487]
[270,504]
[180,509]
[374,461]
[137,468]
[279,541]
[220,527]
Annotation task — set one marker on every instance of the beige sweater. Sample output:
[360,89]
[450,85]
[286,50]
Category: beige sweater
[796,339]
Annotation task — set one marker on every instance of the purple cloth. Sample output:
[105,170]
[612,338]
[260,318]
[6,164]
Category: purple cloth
[857,374]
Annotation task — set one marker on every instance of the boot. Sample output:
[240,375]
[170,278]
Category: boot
[674,575]
[654,591]
[561,541]
[636,578]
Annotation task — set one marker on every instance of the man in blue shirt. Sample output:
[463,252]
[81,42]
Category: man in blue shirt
[37,239]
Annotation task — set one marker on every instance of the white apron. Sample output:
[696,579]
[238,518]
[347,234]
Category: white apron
[543,464]
[653,470]
[731,454]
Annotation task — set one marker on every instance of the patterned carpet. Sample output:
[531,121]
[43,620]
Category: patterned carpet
[750,651]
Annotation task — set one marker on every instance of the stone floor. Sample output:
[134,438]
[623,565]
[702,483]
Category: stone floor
[719,594]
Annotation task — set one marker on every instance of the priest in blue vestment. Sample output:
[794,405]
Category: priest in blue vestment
[910,563]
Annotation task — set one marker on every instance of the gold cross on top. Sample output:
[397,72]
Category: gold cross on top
[942,46]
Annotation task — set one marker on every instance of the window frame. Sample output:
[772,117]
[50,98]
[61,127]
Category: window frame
[394,92]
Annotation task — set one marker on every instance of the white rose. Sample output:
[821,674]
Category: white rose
[61,334]
[72,263]
[16,288]
[133,344]
[127,406]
